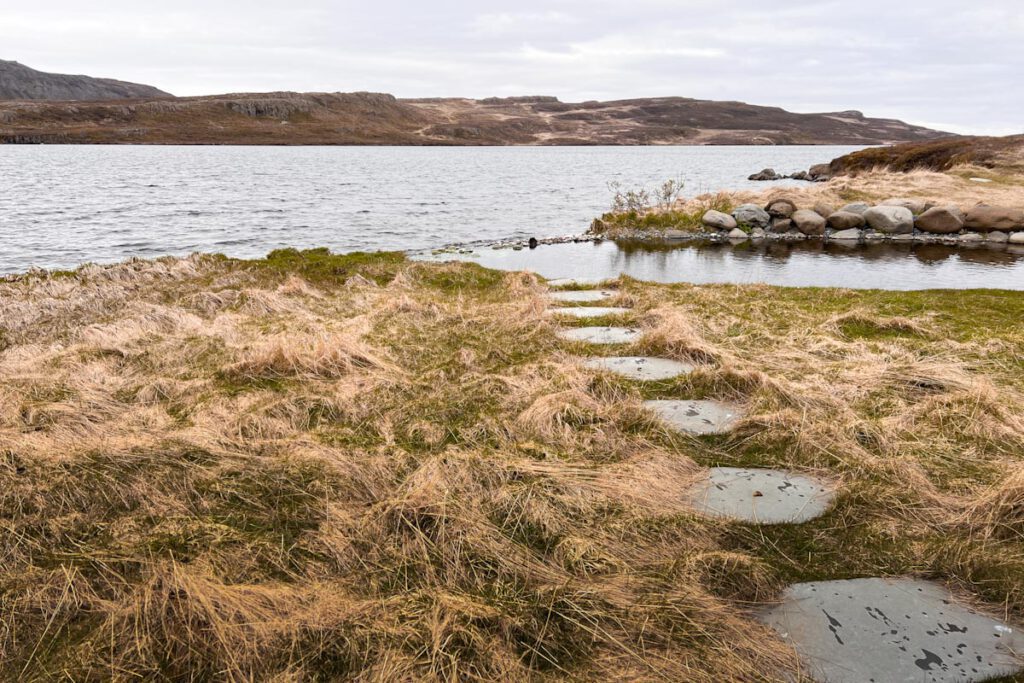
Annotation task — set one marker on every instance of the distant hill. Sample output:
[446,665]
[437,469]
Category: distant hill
[379,119]
[19,82]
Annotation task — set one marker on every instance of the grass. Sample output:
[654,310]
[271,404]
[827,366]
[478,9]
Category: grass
[323,467]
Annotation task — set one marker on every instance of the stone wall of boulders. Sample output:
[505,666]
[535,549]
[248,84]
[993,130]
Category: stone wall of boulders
[893,219]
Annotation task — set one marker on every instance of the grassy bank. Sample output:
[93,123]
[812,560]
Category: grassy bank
[316,467]
[960,171]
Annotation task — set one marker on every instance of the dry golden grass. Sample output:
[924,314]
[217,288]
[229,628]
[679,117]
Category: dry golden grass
[359,468]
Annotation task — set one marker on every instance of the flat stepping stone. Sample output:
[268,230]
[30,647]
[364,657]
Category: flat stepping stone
[601,335]
[760,496]
[886,630]
[698,417]
[640,367]
[588,311]
[580,296]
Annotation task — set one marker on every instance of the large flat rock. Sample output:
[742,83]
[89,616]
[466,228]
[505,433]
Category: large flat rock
[580,296]
[760,495]
[601,335]
[588,311]
[698,417]
[892,630]
[640,367]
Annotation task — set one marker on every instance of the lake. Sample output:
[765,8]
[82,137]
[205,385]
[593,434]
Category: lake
[813,263]
[61,206]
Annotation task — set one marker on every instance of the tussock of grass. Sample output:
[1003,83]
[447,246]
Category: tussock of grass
[316,467]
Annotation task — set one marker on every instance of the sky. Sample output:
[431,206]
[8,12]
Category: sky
[952,65]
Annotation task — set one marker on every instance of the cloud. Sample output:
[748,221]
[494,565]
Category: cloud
[946,61]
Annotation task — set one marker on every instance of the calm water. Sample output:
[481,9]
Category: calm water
[793,264]
[63,206]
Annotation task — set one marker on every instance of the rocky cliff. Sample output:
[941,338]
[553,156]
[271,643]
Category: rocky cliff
[19,82]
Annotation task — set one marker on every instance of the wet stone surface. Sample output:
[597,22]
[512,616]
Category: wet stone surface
[583,295]
[588,311]
[698,417]
[888,630]
[760,495]
[601,335]
[640,367]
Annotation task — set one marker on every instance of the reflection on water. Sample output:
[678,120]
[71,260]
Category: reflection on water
[888,265]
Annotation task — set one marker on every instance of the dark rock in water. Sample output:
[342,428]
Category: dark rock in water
[533,243]
[766,174]
[801,175]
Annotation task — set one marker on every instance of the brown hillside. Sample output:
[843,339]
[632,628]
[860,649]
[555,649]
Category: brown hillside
[369,118]
[936,155]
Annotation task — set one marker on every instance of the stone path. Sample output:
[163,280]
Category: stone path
[871,630]
[886,630]
[580,296]
[761,496]
[588,311]
[601,335]
[698,417]
[640,367]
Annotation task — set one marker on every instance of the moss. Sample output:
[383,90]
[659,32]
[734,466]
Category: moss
[321,267]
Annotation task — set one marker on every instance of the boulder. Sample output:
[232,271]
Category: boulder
[820,172]
[752,215]
[851,235]
[716,220]
[824,209]
[857,207]
[766,174]
[1017,238]
[916,206]
[808,222]
[737,234]
[997,236]
[988,218]
[757,234]
[890,220]
[780,208]
[781,225]
[845,220]
[971,237]
[941,220]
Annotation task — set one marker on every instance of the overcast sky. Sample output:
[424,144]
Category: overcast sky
[955,65]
